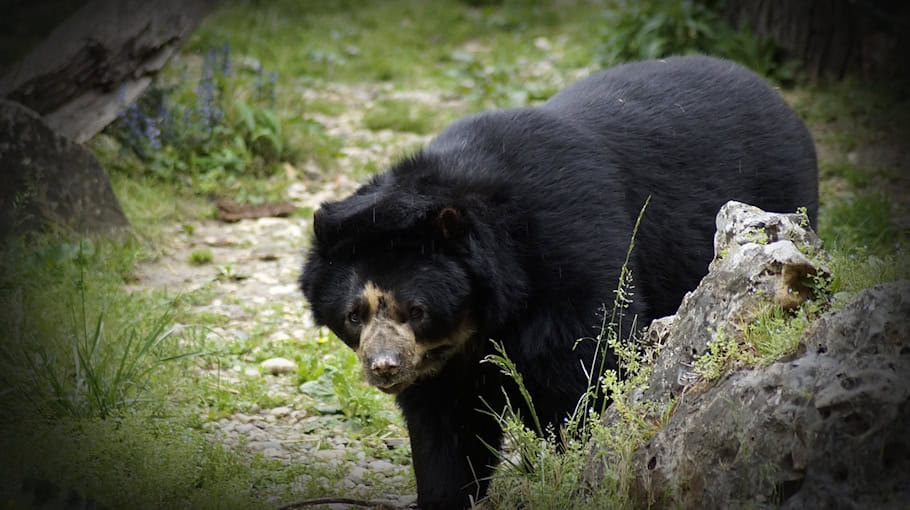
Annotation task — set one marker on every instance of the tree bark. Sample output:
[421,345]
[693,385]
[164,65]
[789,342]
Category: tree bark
[99,60]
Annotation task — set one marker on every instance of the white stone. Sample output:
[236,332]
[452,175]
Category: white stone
[279,366]
[245,428]
[280,412]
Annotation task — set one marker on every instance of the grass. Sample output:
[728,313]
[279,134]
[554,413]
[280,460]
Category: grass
[201,257]
[400,115]
[140,461]
[111,388]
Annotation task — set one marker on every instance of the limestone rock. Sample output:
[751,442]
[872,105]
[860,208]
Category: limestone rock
[760,259]
[825,427]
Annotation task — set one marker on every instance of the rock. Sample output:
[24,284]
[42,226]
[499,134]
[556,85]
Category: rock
[825,427]
[280,412]
[759,260]
[356,474]
[740,225]
[245,428]
[242,418]
[48,181]
[279,366]
[825,430]
[329,455]
[266,445]
[274,453]
[382,466]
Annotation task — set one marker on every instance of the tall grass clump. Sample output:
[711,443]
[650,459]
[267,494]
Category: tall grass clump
[75,344]
[548,468]
[90,387]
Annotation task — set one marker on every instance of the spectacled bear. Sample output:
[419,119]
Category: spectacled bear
[513,225]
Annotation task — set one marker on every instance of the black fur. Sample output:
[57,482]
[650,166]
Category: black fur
[521,218]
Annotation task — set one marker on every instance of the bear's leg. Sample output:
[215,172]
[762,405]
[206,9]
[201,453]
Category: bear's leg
[454,445]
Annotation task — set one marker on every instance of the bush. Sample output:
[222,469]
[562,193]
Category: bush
[662,28]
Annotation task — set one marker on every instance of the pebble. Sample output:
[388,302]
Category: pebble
[245,428]
[274,452]
[265,445]
[330,454]
[279,366]
[382,466]
[280,412]
[356,473]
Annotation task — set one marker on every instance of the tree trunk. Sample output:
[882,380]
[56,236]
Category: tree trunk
[831,37]
[99,60]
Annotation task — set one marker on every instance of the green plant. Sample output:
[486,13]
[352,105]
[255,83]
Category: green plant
[76,344]
[201,257]
[552,462]
[662,28]
[207,135]
[723,349]
[775,333]
[757,235]
[140,461]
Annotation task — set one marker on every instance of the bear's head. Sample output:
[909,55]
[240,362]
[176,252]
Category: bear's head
[389,274]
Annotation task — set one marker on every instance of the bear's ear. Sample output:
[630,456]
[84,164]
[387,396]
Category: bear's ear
[449,223]
[370,215]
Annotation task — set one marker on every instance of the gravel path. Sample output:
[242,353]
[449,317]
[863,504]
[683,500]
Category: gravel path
[251,285]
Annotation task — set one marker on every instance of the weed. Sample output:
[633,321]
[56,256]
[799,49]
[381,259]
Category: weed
[201,257]
[757,235]
[775,333]
[723,350]
[856,269]
[551,463]
[856,177]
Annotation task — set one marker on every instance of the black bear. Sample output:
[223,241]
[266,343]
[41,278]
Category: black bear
[513,226]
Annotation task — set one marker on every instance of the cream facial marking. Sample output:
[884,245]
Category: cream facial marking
[389,350]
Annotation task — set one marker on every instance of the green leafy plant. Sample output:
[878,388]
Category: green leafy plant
[209,134]
[662,28]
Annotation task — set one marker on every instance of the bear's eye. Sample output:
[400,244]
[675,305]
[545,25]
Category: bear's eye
[416,313]
[354,318]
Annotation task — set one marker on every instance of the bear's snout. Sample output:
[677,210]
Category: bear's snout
[385,364]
